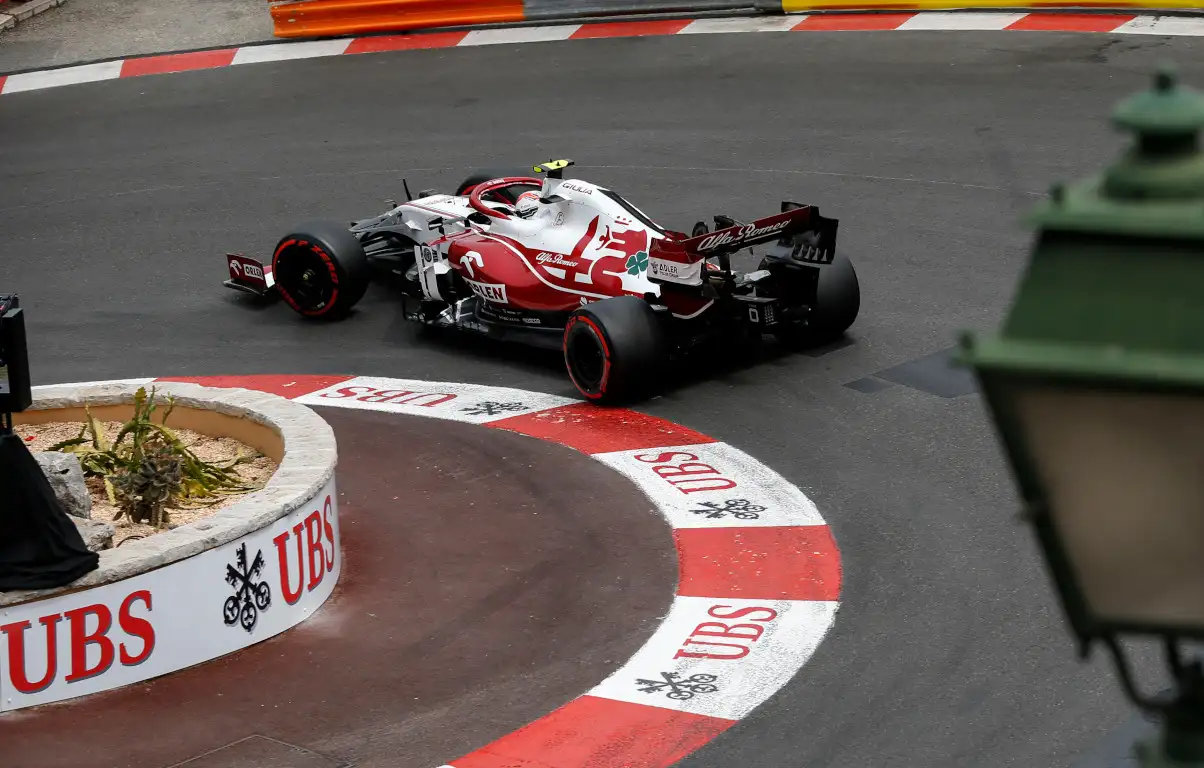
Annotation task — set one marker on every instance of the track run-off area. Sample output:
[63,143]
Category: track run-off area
[928,137]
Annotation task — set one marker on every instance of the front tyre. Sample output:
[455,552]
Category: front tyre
[320,270]
[614,349]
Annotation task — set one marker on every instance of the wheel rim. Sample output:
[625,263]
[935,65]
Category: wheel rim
[303,275]
[586,359]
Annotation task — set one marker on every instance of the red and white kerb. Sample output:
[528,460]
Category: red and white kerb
[759,572]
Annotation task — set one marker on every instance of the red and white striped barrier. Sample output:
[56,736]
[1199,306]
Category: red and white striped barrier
[1114,23]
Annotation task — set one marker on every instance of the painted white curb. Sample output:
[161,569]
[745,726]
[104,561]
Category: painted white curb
[758,584]
[1123,21]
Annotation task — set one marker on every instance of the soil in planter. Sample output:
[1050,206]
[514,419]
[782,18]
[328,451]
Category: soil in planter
[39,437]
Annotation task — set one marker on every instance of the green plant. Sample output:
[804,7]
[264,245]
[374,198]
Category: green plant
[147,469]
[146,489]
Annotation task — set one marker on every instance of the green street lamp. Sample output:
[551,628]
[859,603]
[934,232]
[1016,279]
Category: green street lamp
[1096,386]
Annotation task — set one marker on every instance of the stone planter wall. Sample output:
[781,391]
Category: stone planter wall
[169,594]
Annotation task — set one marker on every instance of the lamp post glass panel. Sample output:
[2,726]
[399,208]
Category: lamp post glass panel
[1095,383]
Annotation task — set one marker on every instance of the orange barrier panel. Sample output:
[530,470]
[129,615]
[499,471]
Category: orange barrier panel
[318,18]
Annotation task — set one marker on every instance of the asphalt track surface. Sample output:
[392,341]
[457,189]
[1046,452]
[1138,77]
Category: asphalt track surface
[469,596]
[120,198]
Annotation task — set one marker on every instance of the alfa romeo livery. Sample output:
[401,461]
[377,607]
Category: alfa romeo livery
[572,265]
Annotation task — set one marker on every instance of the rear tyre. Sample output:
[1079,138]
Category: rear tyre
[837,304]
[320,270]
[614,350]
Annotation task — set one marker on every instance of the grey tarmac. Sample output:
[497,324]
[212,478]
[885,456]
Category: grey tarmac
[120,198]
[83,30]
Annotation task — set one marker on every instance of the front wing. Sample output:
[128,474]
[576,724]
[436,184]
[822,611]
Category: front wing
[250,276]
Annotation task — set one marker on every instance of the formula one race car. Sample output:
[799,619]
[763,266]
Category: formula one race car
[570,265]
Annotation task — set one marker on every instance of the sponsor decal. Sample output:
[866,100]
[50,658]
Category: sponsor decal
[241,268]
[712,486]
[489,291]
[389,396]
[96,637]
[559,219]
[312,534]
[673,686]
[492,408]
[468,259]
[554,259]
[669,271]
[182,614]
[735,638]
[741,509]
[663,269]
[637,263]
[745,234]
[684,471]
[251,596]
[720,656]
[459,402]
[575,188]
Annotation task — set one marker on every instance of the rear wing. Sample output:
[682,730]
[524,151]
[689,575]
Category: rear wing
[811,238]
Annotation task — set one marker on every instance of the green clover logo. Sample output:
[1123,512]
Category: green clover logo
[637,263]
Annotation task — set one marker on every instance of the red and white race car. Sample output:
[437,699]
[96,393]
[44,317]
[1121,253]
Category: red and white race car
[567,264]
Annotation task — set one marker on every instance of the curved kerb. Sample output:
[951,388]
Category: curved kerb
[758,573]
[1087,20]
[758,584]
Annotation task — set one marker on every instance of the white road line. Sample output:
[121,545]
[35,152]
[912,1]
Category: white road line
[711,26]
[1162,25]
[520,34]
[253,54]
[956,20]
[84,73]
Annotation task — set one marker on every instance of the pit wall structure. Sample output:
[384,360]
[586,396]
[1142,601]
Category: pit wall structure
[334,18]
[196,592]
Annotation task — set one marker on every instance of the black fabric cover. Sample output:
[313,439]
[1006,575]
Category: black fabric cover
[40,547]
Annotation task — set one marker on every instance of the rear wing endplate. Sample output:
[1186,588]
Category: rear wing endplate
[811,237]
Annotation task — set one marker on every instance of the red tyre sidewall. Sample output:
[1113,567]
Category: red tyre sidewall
[326,259]
[583,324]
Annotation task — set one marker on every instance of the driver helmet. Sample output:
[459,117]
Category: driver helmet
[527,204]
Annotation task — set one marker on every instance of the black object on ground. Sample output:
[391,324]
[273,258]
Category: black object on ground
[41,548]
[15,392]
